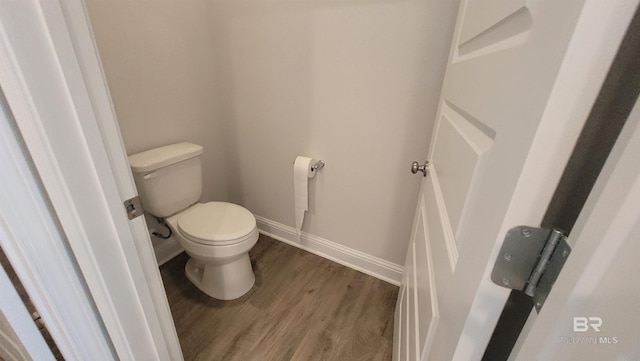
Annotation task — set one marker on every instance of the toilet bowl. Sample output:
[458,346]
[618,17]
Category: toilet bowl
[217,236]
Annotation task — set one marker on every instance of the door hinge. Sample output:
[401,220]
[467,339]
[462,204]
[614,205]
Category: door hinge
[133,207]
[530,260]
[37,320]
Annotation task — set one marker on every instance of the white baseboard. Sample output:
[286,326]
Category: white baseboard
[166,250]
[360,261]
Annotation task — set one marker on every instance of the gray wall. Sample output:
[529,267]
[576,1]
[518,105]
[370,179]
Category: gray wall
[355,83]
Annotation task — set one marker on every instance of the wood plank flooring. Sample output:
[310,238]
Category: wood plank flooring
[24,296]
[302,307]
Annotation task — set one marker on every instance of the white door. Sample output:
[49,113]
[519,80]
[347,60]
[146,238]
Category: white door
[592,314]
[521,79]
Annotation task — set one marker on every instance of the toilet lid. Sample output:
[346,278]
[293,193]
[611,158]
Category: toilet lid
[217,223]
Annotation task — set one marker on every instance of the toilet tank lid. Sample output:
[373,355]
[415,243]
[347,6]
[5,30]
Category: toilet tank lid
[161,157]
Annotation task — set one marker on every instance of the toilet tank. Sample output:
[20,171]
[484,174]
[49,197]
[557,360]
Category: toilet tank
[169,178]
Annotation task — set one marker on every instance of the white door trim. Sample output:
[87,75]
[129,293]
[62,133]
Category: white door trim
[97,92]
[39,255]
[607,220]
[63,128]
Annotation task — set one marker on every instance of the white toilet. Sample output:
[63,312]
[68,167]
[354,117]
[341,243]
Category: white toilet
[217,235]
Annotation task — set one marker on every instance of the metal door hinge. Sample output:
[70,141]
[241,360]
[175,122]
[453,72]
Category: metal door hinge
[530,260]
[37,320]
[133,207]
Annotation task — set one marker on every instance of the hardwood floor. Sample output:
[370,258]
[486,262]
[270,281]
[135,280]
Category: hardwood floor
[302,307]
[24,296]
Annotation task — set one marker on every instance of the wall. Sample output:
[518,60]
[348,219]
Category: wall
[157,59]
[354,83]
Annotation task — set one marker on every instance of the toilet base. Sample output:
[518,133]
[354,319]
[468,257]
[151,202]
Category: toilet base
[226,281]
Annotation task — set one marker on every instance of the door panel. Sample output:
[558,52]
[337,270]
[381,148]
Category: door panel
[427,310]
[457,156]
[417,312]
[481,17]
[491,26]
[511,106]
[412,305]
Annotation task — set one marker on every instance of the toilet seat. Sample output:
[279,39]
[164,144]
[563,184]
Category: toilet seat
[217,224]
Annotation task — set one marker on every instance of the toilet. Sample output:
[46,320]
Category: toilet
[216,235]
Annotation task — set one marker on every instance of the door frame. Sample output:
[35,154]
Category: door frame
[26,225]
[52,79]
[605,223]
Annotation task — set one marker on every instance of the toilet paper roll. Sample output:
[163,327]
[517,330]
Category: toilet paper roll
[302,172]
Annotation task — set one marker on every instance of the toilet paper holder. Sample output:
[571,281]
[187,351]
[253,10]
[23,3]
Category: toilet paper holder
[319,165]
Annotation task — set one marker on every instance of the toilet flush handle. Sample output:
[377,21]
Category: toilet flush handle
[150,175]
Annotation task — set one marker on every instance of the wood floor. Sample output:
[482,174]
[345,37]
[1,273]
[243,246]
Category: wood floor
[22,292]
[302,307]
